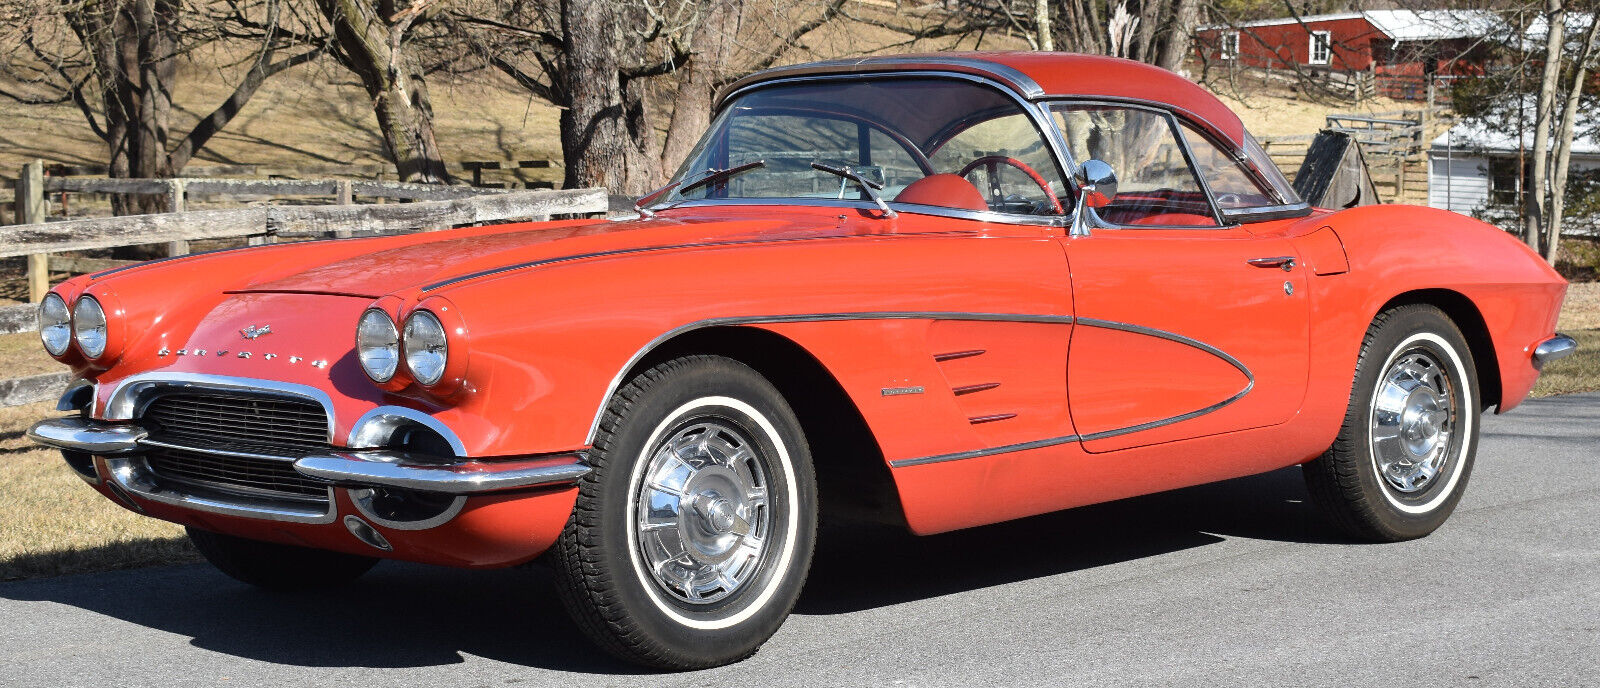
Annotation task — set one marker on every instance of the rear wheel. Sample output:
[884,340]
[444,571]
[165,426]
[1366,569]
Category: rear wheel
[694,531]
[278,567]
[1405,451]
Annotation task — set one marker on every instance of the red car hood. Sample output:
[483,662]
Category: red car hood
[456,253]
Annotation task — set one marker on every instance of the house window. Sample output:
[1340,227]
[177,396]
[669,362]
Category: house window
[1230,45]
[1505,185]
[1321,47]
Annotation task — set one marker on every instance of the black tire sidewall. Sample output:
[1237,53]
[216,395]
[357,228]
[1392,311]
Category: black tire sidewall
[645,423]
[1402,330]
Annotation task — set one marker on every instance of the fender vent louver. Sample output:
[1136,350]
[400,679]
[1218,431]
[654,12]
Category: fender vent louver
[990,419]
[969,389]
[953,355]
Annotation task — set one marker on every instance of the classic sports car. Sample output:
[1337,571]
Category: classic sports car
[945,290]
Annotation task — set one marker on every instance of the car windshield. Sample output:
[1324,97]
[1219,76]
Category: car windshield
[980,148]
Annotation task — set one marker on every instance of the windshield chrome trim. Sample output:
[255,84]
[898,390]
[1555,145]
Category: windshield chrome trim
[1010,77]
[908,208]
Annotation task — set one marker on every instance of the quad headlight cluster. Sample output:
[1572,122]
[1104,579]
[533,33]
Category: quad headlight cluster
[422,344]
[85,324]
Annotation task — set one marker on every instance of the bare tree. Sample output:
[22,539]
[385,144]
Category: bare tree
[117,61]
[1542,215]
[371,40]
[609,64]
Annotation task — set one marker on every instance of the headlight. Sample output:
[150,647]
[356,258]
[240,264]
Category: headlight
[426,350]
[377,345]
[55,324]
[89,327]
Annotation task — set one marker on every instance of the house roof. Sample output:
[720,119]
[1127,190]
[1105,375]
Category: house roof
[1474,136]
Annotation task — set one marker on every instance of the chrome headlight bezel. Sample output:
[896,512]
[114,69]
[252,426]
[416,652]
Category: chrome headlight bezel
[427,347]
[378,345]
[91,330]
[55,324]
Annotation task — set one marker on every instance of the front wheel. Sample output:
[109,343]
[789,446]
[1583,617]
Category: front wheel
[1405,451]
[693,533]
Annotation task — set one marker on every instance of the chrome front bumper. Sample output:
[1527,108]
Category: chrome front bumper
[353,468]
[1554,349]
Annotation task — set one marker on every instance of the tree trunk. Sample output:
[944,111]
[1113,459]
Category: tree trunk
[1153,14]
[691,106]
[644,155]
[1534,212]
[1563,153]
[594,131]
[133,47]
[1176,43]
[371,46]
[1041,22]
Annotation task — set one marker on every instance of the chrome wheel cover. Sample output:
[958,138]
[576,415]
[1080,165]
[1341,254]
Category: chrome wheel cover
[702,516]
[1413,421]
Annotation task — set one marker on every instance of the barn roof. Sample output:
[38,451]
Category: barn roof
[1400,25]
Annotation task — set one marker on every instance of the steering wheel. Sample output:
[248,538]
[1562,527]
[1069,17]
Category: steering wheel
[992,162]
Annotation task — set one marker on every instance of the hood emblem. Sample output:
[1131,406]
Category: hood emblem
[253,332]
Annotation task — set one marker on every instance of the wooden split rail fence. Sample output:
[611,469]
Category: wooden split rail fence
[436,207]
[1393,144]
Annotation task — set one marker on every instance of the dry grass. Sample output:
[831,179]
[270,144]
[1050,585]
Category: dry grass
[1580,318]
[310,116]
[51,523]
[21,355]
[1579,372]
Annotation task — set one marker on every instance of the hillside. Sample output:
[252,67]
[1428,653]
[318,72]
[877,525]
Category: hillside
[313,116]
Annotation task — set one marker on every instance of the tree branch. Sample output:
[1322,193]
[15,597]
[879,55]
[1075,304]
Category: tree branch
[219,118]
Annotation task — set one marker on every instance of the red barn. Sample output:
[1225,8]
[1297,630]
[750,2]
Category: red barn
[1387,43]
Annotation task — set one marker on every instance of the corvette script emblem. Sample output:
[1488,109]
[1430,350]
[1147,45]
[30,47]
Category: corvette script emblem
[252,332]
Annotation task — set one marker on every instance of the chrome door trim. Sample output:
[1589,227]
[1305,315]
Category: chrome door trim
[616,382]
[979,453]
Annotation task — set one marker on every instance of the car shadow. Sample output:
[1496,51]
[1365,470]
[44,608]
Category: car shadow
[855,571]
[408,615]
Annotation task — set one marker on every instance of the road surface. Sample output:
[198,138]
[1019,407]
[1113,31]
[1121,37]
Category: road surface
[1227,584]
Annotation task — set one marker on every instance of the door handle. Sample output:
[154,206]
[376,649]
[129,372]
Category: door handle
[1285,262]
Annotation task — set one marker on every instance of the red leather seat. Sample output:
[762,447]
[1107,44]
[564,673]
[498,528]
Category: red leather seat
[945,190]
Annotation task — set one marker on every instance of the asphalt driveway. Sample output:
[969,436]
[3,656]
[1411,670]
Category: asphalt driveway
[1233,583]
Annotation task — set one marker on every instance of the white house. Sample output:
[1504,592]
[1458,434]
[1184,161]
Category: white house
[1475,171]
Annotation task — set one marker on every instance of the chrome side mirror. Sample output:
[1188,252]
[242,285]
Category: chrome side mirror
[1097,185]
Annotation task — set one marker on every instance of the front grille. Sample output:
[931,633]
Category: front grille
[234,473]
[239,422]
[236,442]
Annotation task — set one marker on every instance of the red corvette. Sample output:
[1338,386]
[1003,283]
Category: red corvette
[948,290]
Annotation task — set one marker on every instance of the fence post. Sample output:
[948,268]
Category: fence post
[30,210]
[347,196]
[177,203]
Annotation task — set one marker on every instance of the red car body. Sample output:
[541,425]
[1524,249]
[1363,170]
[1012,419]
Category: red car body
[999,369]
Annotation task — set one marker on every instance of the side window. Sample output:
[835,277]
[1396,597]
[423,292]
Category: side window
[1007,187]
[1156,186]
[1231,184]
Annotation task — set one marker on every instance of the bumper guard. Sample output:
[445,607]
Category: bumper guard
[358,468]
